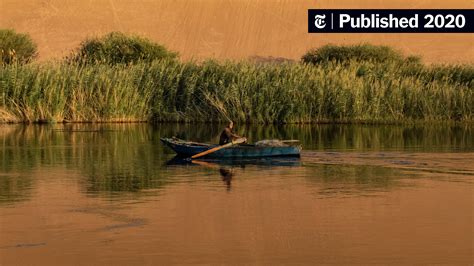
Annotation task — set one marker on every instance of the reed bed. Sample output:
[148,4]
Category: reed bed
[173,91]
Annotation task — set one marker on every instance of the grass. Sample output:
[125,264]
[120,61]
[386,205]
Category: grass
[172,91]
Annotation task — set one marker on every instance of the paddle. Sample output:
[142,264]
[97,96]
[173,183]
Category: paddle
[237,141]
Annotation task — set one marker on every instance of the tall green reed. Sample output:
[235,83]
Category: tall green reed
[168,90]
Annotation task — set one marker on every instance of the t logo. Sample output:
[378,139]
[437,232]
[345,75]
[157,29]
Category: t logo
[319,21]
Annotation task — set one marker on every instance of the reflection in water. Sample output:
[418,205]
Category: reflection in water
[109,194]
[226,176]
[119,159]
[15,187]
[226,172]
[226,167]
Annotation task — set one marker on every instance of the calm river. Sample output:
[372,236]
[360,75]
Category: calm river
[109,194]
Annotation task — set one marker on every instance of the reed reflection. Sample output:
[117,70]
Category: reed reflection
[120,159]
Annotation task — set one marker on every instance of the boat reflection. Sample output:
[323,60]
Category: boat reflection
[268,161]
[226,168]
[226,172]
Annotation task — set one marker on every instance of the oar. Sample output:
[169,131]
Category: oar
[237,141]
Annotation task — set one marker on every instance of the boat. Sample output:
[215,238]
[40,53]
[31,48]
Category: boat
[185,148]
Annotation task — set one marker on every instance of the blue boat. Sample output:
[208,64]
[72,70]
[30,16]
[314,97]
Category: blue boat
[186,149]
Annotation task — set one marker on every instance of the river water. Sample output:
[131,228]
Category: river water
[110,194]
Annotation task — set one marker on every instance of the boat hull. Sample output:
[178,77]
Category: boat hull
[187,149]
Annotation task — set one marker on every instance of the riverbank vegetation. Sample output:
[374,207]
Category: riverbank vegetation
[16,47]
[118,48]
[354,86]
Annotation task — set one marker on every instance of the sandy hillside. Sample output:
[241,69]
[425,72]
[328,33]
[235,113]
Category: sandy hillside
[225,29]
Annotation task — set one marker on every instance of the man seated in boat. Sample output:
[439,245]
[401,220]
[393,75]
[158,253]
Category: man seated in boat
[227,135]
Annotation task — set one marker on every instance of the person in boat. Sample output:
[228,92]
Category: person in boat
[227,135]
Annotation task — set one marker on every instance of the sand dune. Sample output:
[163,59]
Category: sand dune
[223,29]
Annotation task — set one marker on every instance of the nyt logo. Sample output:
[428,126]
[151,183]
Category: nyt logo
[390,20]
[319,21]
